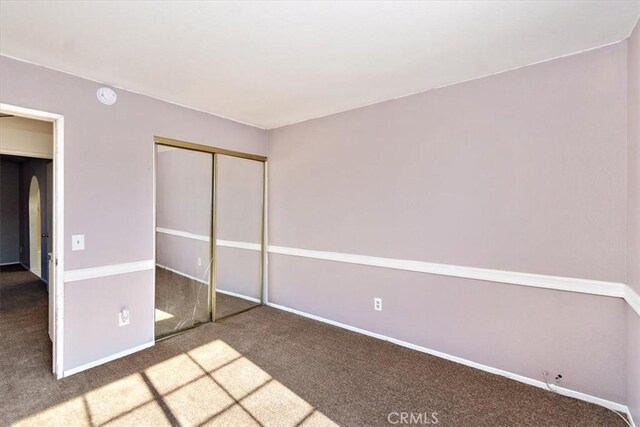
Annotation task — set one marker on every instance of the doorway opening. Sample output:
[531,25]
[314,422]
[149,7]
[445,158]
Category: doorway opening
[31,172]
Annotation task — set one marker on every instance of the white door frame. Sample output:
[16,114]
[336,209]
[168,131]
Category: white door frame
[58,223]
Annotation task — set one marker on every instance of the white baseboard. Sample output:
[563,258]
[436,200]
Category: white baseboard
[234,294]
[118,355]
[526,380]
[222,291]
[2,264]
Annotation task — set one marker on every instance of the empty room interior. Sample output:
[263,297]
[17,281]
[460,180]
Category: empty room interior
[320,213]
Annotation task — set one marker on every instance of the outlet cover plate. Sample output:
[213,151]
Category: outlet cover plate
[123,317]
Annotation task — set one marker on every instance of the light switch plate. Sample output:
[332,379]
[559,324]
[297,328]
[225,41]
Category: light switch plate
[77,242]
[123,317]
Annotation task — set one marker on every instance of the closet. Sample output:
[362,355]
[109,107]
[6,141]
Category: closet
[209,226]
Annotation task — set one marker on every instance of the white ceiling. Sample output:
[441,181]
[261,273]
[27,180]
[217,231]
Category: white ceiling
[274,63]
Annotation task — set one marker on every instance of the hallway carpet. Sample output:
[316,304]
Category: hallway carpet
[261,367]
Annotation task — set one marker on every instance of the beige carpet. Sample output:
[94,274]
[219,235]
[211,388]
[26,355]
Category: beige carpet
[262,367]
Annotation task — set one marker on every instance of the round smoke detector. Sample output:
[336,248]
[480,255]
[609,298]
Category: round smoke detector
[107,96]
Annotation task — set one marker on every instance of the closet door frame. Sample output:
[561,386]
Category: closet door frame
[215,152]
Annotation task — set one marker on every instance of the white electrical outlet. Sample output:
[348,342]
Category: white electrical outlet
[199,262]
[377,304]
[123,317]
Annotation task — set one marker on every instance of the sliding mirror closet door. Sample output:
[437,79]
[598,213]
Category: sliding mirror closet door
[184,191]
[239,214]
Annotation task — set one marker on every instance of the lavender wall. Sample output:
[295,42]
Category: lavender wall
[633,220]
[109,194]
[91,332]
[525,160]
[9,212]
[522,171]
[518,329]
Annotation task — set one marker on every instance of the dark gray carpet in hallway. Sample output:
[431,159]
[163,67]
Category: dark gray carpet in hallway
[261,367]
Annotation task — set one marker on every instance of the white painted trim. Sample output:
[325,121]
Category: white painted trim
[587,286]
[108,359]
[33,154]
[239,245]
[265,235]
[153,231]
[188,276]
[204,238]
[237,295]
[568,284]
[184,234]
[58,223]
[29,113]
[107,270]
[58,244]
[180,273]
[520,378]
[632,298]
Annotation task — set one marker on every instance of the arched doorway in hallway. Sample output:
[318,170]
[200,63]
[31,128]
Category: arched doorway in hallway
[35,228]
